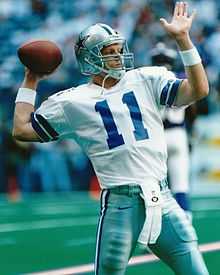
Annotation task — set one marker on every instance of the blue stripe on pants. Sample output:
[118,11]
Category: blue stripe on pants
[104,200]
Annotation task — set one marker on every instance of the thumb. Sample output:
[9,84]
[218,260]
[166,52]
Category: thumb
[163,22]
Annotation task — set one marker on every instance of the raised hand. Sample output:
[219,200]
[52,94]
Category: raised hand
[181,22]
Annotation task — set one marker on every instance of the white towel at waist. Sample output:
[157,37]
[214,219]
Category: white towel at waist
[153,207]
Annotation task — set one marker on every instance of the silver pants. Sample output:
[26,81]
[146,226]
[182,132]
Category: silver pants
[121,219]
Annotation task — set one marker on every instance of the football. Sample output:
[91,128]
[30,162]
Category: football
[40,56]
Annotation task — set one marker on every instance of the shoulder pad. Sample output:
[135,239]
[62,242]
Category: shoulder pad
[62,92]
[156,71]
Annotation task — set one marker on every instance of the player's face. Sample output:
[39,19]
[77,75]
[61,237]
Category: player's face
[112,55]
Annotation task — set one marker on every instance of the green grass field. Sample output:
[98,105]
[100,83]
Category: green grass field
[47,232]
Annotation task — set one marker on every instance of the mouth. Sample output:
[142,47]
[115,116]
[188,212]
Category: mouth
[118,65]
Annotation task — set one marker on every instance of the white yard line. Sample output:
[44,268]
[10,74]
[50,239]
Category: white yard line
[60,210]
[79,242]
[49,223]
[80,221]
[206,205]
[82,269]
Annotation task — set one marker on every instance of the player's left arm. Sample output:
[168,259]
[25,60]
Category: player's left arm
[195,86]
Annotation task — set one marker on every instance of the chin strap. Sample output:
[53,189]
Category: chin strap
[103,83]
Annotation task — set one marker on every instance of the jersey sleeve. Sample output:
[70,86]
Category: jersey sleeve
[164,84]
[49,121]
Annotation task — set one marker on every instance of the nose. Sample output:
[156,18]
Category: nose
[117,56]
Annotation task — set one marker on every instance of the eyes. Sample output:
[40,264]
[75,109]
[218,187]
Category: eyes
[112,51]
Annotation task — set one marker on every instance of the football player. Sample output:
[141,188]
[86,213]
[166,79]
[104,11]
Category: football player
[175,133]
[116,120]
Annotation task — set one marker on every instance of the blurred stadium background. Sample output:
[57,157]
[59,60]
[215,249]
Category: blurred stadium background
[48,192]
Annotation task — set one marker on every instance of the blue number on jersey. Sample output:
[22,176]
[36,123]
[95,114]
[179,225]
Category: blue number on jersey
[140,132]
[114,138]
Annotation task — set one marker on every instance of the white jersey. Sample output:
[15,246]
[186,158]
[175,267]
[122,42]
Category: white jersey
[120,129]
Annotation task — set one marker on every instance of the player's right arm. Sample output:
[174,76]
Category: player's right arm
[22,127]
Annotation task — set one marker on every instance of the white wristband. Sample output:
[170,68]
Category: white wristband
[190,57]
[26,95]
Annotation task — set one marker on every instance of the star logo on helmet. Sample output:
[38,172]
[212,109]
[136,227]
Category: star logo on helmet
[81,43]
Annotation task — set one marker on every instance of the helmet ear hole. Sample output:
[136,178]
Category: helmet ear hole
[96,57]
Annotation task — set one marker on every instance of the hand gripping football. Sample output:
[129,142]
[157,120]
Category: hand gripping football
[40,56]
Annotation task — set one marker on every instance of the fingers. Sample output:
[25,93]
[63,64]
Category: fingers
[181,9]
[185,9]
[26,69]
[176,10]
[163,22]
[32,75]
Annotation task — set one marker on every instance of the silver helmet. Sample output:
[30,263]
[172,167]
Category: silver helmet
[88,51]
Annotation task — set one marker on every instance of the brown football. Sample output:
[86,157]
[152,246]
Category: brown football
[40,56]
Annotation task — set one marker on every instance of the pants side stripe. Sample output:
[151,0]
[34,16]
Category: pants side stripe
[104,200]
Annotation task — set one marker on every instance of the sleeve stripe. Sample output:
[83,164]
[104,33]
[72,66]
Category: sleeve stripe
[164,93]
[169,92]
[41,133]
[47,127]
[173,92]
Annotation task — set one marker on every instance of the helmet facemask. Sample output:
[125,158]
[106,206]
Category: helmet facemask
[93,62]
[102,62]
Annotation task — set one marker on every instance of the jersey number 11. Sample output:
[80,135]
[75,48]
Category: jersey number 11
[114,138]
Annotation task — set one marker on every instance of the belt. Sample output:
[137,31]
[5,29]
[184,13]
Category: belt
[135,189]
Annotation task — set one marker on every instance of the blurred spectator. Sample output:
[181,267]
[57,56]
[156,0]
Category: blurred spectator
[60,21]
[39,8]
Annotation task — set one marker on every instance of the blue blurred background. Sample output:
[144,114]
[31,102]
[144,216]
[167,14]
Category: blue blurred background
[61,21]
[45,182]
